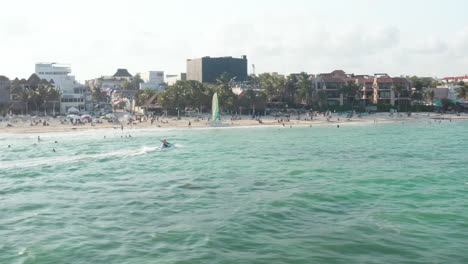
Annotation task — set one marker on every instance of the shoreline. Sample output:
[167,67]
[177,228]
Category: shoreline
[23,127]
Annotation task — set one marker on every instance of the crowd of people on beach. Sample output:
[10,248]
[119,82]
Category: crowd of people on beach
[162,120]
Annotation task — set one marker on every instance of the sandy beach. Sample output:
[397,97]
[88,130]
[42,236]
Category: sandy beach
[23,125]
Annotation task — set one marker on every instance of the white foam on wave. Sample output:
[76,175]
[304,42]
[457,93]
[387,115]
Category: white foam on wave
[60,160]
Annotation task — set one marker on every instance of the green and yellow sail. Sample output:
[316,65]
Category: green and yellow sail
[215,107]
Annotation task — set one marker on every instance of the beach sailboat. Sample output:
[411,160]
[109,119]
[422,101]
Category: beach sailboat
[216,120]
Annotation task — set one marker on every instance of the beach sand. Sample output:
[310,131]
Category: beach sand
[23,125]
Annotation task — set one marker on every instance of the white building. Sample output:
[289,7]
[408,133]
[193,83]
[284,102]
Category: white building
[452,90]
[171,79]
[156,77]
[73,94]
[59,73]
[152,80]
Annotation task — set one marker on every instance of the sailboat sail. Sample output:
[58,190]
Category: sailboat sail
[215,112]
[215,107]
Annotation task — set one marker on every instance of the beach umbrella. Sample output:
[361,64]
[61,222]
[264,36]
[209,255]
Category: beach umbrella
[105,117]
[86,117]
[73,110]
[437,102]
[455,101]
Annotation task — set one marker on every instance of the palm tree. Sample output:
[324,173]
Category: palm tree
[53,95]
[24,97]
[398,88]
[430,95]
[322,97]
[305,88]
[462,92]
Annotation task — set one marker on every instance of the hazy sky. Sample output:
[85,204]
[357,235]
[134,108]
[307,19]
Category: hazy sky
[416,37]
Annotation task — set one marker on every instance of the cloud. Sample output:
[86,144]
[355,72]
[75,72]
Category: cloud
[429,46]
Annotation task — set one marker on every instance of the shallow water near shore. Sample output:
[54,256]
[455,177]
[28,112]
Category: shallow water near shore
[385,193]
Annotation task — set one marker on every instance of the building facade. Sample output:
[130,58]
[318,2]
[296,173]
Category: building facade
[153,80]
[171,79]
[59,73]
[18,104]
[377,89]
[152,77]
[4,91]
[207,69]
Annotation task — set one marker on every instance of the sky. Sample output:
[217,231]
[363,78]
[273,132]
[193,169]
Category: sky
[398,37]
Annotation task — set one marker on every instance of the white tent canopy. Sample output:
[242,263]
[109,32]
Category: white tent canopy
[73,110]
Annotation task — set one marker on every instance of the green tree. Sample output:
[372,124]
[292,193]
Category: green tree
[462,92]
[24,97]
[252,100]
[52,95]
[417,96]
[322,98]
[417,83]
[430,95]
[305,89]
[350,92]
[135,82]
[227,98]
[96,94]
[143,95]
[186,94]
[126,85]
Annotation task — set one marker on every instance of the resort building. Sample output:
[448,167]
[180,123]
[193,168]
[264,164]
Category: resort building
[377,89]
[394,91]
[208,70]
[365,85]
[73,94]
[329,86]
[110,82]
[59,74]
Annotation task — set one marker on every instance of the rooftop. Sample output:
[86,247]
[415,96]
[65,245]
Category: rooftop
[456,78]
[122,73]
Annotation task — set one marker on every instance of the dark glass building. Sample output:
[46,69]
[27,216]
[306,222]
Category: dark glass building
[207,69]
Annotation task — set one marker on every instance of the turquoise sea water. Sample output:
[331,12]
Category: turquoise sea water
[386,193]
